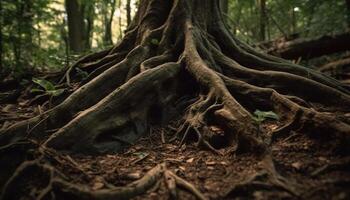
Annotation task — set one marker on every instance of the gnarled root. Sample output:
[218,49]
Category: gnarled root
[49,183]
[178,61]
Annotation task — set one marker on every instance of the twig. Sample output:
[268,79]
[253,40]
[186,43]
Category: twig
[162,136]
[188,186]
[36,125]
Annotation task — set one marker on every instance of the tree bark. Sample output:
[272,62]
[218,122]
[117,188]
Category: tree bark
[348,12]
[89,17]
[1,42]
[340,69]
[128,12]
[108,19]
[263,19]
[76,27]
[312,47]
[179,61]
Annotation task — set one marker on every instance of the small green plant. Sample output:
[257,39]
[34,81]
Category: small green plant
[155,42]
[260,116]
[46,87]
[81,73]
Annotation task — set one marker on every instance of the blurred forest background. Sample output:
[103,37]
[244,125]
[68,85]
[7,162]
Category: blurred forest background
[48,35]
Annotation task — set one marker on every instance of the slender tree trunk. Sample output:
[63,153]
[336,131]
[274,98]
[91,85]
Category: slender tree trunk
[128,12]
[76,27]
[294,22]
[263,19]
[23,41]
[348,12]
[120,20]
[89,17]
[108,19]
[224,6]
[1,40]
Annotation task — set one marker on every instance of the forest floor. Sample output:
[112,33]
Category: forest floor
[307,163]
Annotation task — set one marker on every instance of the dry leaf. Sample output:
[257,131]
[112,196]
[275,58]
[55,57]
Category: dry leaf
[297,165]
[210,163]
[97,185]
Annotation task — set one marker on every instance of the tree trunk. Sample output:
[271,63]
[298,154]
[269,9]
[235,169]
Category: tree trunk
[108,19]
[1,42]
[89,17]
[120,21]
[76,27]
[128,12]
[312,47]
[224,6]
[340,69]
[348,12]
[263,19]
[179,61]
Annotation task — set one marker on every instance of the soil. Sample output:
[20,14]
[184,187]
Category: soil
[310,165]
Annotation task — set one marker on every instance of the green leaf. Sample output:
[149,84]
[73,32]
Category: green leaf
[81,73]
[36,90]
[258,120]
[155,42]
[261,116]
[47,85]
[55,93]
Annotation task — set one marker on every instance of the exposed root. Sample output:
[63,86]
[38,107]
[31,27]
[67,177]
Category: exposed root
[178,62]
[50,182]
[186,185]
[342,165]
[136,188]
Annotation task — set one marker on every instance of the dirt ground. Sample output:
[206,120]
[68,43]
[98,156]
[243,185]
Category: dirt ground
[314,167]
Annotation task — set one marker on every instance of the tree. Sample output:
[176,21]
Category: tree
[80,16]
[179,61]
[128,12]
[75,25]
[263,19]
[1,36]
[348,11]
[109,9]
[307,48]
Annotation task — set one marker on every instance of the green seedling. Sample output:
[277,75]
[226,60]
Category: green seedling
[46,88]
[260,116]
[155,42]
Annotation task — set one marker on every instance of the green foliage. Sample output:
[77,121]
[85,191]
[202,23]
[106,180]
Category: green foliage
[47,87]
[155,42]
[260,116]
[30,33]
[82,74]
[35,34]
[307,18]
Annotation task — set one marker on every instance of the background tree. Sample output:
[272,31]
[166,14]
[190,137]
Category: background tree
[108,8]
[80,16]
[128,12]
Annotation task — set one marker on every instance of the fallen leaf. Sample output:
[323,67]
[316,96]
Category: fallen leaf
[210,163]
[216,129]
[134,176]
[190,160]
[223,163]
[97,185]
[182,168]
[297,165]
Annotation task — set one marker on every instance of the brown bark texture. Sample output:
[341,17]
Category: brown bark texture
[310,48]
[178,61]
